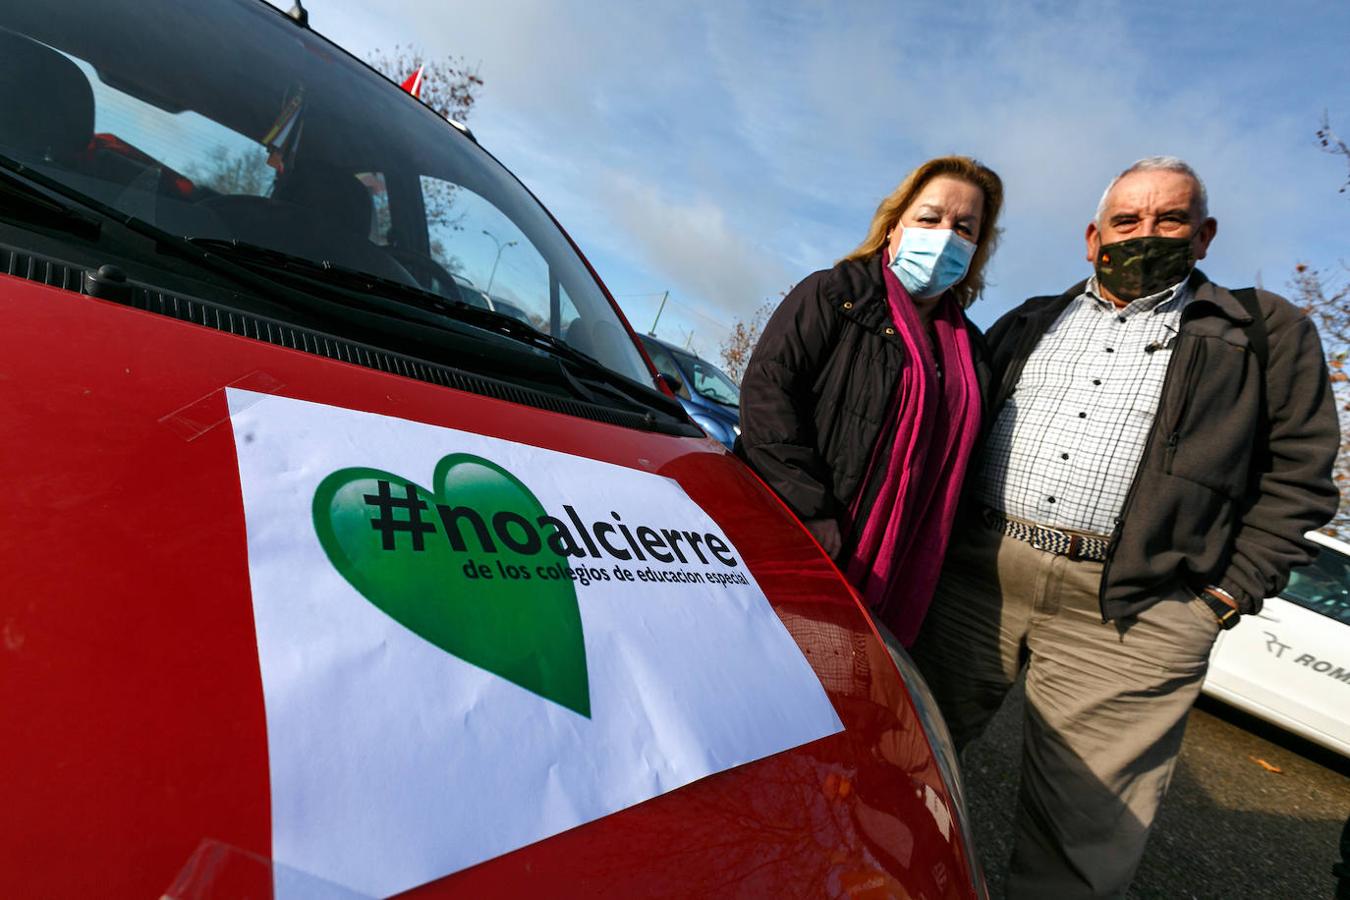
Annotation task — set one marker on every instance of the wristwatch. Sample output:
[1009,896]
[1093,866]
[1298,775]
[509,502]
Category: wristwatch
[1226,614]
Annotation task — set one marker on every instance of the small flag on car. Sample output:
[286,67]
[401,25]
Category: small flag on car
[413,83]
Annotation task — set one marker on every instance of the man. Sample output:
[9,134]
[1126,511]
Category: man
[1154,454]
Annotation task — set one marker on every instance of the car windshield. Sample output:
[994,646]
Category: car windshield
[257,131]
[709,381]
[1323,585]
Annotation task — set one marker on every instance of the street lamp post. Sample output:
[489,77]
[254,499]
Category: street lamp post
[500,247]
[664,296]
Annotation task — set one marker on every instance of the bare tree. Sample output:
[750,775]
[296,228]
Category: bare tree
[740,343]
[449,85]
[1333,145]
[1325,296]
[245,172]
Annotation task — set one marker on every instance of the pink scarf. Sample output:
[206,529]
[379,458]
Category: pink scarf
[899,554]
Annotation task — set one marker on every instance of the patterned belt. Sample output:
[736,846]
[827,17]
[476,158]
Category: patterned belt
[1060,543]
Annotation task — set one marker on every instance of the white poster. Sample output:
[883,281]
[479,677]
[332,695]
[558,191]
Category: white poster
[469,644]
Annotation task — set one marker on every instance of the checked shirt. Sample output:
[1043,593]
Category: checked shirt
[1065,446]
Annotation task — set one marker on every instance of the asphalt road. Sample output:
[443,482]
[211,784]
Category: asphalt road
[1229,827]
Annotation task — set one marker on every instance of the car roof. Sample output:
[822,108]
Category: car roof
[676,348]
[653,339]
[1327,540]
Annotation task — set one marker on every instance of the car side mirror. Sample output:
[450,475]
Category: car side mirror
[672,382]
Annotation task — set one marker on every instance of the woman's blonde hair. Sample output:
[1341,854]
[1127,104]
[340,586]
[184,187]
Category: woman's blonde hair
[963,167]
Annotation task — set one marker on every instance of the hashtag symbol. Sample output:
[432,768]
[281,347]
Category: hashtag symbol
[388,526]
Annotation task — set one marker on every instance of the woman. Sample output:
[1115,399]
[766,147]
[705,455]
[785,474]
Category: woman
[861,402]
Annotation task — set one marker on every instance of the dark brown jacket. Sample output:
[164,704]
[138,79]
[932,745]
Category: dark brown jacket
[819,385]
[1236,468]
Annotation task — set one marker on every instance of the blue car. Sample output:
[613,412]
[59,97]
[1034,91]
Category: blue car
[710,397]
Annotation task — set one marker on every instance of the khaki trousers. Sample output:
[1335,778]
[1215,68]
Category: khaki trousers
[1106,703]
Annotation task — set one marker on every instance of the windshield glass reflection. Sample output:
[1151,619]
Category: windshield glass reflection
[257,131]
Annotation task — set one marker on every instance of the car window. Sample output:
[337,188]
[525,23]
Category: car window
[1323,585]
[710,381]
[139,149]
[665,364]
[381,223]
[478,243]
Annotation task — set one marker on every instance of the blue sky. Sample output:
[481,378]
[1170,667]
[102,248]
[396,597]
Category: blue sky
[722,151]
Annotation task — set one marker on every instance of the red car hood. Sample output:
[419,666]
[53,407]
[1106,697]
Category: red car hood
[134,702]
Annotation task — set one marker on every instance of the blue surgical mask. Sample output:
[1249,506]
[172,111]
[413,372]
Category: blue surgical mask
[930,260]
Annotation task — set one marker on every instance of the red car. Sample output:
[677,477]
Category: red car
[323,577]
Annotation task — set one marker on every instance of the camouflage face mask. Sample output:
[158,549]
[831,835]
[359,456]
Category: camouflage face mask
[1143,266]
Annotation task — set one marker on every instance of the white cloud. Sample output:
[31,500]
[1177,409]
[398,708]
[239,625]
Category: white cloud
[724,150]
[691,242]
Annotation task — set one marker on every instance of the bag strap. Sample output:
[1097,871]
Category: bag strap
[1260,344]
[1256,331]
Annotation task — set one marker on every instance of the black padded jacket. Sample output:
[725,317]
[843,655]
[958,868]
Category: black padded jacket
[1238,463]
[819,385]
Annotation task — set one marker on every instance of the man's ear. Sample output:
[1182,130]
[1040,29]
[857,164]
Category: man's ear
[1203,235]
[1094,242]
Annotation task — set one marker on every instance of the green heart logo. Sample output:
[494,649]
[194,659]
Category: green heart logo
[416,556]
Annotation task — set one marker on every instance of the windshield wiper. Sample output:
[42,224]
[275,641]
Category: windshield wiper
[720,402]
[326,273]
[38,193]
[433,309]
[18,180]
[24,204]
[370,301]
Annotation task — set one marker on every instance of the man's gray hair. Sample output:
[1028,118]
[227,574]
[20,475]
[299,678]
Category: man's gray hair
[1160,164]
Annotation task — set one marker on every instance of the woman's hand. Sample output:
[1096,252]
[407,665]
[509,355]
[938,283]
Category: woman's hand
[827,534]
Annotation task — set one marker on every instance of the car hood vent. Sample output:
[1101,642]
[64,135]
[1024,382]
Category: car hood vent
[260,328]
[40,269]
